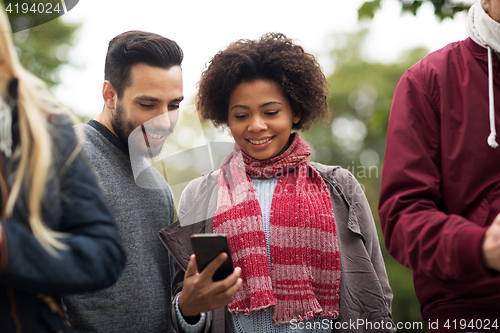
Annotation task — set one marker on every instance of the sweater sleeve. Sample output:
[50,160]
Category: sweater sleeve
[417,233]
[186,327]
[95,257]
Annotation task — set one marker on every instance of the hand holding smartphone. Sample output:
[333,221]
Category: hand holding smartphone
[206,248]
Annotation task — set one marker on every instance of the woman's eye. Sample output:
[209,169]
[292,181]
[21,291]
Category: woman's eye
[272,113]
[239,116]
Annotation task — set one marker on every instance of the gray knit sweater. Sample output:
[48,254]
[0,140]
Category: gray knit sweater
[139,301]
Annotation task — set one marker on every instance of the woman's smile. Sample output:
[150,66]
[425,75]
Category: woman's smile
[260,143]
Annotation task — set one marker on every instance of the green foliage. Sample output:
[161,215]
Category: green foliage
[442,8]
[31,13]
[361,95]
[368,9]
[360,101]
[43,49]
[413,6]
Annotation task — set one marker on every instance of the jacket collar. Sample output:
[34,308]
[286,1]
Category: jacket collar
[481,53]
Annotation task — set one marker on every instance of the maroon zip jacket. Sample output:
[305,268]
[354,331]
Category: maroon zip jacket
[441,185]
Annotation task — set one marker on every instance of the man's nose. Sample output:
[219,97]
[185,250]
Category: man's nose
[165,119]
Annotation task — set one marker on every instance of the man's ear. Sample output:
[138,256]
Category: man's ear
[109,95]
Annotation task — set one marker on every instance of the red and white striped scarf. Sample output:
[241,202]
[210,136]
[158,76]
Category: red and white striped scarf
[305,266]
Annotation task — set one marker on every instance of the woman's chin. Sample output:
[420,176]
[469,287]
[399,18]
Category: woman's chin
[260,155]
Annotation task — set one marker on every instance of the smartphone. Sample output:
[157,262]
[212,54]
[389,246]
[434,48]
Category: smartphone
[207,247]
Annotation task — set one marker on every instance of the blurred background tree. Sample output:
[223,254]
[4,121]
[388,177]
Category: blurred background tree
[442,8]
[44,48]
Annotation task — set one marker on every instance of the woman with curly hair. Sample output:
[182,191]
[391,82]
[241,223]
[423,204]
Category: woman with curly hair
[301,234]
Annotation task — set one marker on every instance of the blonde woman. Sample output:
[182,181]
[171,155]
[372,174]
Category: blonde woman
[57,235]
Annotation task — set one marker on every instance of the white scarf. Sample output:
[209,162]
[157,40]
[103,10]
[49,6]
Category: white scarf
[482,29]
[485,31]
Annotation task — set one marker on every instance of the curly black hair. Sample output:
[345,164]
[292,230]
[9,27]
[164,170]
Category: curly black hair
[273,57]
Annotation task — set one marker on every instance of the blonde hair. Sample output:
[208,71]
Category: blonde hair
[34,107]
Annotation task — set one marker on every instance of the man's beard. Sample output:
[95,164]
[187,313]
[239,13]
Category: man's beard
[121,126]
[134,136]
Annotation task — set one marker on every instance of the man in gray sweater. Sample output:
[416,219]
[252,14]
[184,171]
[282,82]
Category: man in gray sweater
[142,92]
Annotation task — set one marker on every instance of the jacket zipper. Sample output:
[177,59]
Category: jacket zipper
[338,189]
[334,185]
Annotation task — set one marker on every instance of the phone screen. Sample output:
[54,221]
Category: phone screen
[207,247]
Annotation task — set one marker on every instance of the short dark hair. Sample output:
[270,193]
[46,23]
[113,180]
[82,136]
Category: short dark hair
[133,47]
[273,57]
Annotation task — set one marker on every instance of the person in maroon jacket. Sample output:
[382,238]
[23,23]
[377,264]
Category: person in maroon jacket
[440,197]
